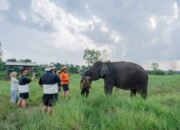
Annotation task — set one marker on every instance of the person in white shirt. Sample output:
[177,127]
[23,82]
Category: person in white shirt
[50,84]
[23,88]
[14,87]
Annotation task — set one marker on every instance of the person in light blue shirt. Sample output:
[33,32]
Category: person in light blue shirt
[14,87]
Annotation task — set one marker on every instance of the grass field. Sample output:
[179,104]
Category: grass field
[161,109]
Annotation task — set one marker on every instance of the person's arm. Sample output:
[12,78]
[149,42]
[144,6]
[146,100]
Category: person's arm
[57,80]
[40,83]
[33,76]
[15,81]
[27,80]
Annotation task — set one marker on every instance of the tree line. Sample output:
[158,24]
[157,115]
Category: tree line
[90,56]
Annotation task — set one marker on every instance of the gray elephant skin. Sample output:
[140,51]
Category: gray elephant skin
[123,75]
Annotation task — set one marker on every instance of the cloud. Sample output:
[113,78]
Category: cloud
[152,23]
[4,5]
[22,15]
[69,30]
[6,54]
[128,30]
[164,65]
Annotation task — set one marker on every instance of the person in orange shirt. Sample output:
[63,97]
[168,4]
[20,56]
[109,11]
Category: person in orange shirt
[64,80]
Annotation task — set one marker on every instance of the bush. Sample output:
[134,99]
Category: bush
[156,72]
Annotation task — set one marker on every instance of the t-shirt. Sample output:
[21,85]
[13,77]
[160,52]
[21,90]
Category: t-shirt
[50,83]
[24,84]
[64,78]
[23,80]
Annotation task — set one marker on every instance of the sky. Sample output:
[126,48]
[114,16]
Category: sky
[60,30]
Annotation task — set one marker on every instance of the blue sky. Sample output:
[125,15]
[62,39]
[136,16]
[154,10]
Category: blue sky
[59,30]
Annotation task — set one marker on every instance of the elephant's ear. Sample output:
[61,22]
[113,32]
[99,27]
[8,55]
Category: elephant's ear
[104,70]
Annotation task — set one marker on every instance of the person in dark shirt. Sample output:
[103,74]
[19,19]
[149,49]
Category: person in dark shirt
[23,88]
[50,83]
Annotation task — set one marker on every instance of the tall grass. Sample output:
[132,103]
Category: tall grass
[161,110]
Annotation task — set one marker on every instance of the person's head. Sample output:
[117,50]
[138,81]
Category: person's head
[51,68]
[64,69]
[24,72]
[13,74]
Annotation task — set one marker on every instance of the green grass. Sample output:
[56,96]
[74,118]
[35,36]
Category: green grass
[161,110]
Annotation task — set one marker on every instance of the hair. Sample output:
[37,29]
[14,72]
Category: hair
[13,74]
[22,70]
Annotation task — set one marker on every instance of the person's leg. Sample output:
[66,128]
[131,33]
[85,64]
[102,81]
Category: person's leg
[67,92]
[45,99]
[51,102]
[64,93]
[13,97]
[19,102]
[45,108]
[24,103]
[49,110]
[25,96]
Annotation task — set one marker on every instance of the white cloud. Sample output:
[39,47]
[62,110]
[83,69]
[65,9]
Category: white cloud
[4,5]
[69,30]
[152,23]
[5,54]
[68,34]
[164,65]
[104,28]
[175,10]
[154,41]
[115,36]
[22,15]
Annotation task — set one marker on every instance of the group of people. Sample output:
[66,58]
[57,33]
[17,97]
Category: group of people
[50,82]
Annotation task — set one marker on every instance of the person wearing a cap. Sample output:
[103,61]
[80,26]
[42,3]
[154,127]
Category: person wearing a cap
[64,80]
[50,83]
[23,88]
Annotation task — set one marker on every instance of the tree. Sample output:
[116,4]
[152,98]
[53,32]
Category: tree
[12,60]
[91,56]
[73,69]
[155,66]
[25,60]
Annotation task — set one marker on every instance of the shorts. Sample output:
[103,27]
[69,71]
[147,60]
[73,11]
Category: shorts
[65,87]
[24,95]
[49,99]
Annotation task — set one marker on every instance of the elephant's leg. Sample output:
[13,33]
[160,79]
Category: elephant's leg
[108,89]
[87,92]
[133,92]
[82,92]
[143,92]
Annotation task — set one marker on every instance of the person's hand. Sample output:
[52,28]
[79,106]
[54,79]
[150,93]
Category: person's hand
[33,75]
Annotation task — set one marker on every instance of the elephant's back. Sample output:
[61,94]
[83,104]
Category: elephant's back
[127,67]
[128,73]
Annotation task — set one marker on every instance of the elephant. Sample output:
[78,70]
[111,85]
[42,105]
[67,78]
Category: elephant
[123,75]
[85,85]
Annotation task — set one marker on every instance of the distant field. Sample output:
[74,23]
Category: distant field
[161,110]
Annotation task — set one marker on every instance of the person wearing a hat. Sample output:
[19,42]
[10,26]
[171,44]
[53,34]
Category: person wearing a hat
[50,83]
[64,81]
